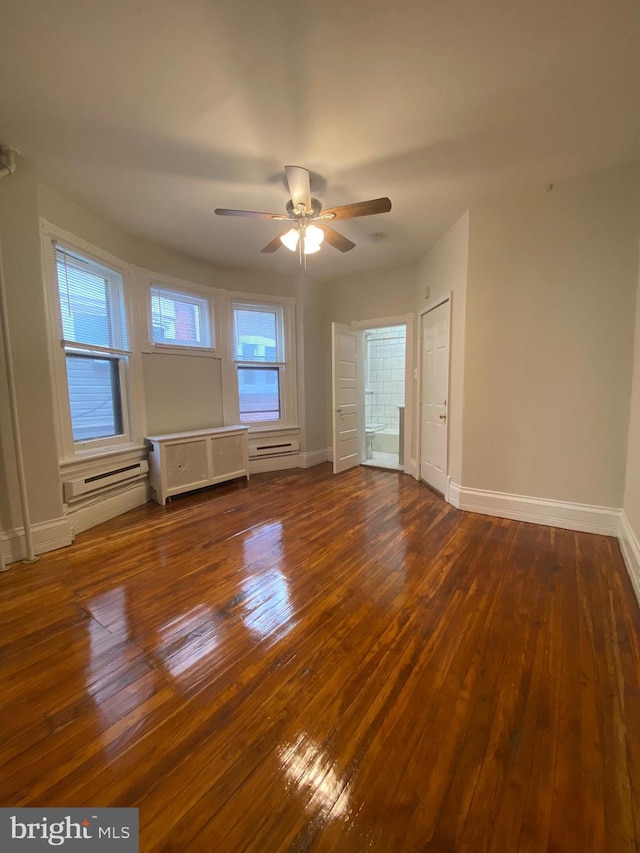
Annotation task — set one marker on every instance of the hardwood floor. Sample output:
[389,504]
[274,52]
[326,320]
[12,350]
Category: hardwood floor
[328,664]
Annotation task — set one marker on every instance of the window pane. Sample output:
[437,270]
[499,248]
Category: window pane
[259,394]
[94,396]
[180,318]
[91,303]
[255,334]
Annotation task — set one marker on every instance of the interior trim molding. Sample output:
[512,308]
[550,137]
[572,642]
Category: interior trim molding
[311,458]
[413,469]
[47,536]
[630,548]
[105,508]
[570,516]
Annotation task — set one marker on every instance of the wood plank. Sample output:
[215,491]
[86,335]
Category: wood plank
[328,663]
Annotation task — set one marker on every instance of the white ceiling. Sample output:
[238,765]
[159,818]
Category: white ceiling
[154,112]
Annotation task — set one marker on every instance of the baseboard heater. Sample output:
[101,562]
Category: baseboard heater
[84,485]
[273,448]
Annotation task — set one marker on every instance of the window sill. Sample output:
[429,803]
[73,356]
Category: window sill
[133,451]
[273,430]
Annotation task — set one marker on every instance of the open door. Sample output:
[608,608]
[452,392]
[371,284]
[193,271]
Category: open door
[347,398]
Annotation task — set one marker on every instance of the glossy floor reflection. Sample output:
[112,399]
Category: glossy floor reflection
[327,663]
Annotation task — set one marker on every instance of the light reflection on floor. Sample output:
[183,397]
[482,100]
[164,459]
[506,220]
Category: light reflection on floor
[309,769]
[187,639]
[267,604]
[101,675]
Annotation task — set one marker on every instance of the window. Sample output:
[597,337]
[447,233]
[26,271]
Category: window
[264,371]
[93,326]
[179,318]
[94,396]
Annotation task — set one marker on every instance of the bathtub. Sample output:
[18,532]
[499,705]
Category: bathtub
[387,441]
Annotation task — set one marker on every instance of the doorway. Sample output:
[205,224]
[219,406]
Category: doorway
[371,392]
[384,404]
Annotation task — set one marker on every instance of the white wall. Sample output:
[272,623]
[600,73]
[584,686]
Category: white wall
[631,505]
[549,336]
[443,270]
[181,392]
[370,295]
[312,359]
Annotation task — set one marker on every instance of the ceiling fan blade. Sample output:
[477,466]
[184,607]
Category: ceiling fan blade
[274,245]
[299,186]
[336,240]
[253,214]
[360,208]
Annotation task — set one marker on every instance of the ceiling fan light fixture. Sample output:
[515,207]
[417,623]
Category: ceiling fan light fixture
[290,239]
[313,236]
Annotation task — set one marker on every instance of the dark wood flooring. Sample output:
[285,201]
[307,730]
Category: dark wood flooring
[328,664]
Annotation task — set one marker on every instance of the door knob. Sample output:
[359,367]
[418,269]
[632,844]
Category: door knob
[442,417]
[338,411]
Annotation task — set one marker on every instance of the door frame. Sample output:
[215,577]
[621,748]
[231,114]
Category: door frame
[411,465]
[431,306]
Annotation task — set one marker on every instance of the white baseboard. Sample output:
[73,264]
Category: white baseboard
[46,536]
[313,457]
[412,468]
[108,507]
[630,548]
[570,516]
[262,464]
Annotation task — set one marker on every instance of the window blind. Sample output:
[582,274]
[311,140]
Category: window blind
[92,309]
[180,318]
[256,336]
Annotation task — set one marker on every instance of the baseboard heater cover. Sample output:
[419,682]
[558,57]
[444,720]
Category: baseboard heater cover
[273,448]
[84,485]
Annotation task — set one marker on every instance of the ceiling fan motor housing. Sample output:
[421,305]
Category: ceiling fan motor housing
[294,213]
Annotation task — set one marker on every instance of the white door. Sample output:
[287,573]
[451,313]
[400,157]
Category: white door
[434,394]
[348,423]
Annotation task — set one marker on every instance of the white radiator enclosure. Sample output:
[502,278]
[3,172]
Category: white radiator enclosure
[184,461]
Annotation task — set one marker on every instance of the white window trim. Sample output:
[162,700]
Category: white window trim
[130,379]
[148,279]
[287,368]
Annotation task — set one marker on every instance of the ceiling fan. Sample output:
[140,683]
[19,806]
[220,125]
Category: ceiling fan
[308,218]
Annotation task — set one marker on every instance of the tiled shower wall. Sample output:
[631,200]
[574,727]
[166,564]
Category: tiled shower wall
[384,391]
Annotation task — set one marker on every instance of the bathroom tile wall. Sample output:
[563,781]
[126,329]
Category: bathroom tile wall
[384,392]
